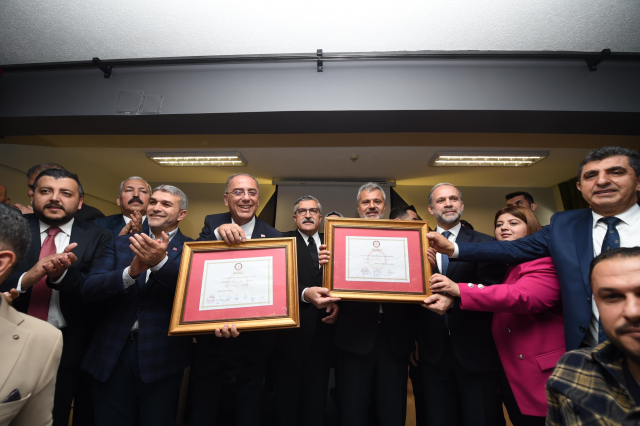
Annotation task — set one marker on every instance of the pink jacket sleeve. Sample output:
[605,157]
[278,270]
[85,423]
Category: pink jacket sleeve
[530,287]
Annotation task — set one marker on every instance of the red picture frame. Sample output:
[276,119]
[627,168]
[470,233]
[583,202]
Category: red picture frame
[253,285]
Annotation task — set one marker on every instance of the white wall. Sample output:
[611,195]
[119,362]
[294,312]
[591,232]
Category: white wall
[77,30]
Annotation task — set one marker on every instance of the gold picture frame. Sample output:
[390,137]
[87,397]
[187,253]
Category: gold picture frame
[378,291]
[188,317]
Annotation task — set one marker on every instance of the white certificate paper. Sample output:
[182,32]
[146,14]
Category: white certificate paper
[237,283]
[377,259]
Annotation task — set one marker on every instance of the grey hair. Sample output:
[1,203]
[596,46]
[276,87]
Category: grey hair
[15,234]
[226,188]
[369,187]
[184,201]
[132,178]
[443,184]
[306,198]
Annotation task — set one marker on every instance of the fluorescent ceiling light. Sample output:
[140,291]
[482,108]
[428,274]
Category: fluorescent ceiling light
[486,159]
[198,159]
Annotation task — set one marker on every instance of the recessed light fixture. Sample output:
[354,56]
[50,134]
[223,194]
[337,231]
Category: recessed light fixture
[486,159]
[198,159]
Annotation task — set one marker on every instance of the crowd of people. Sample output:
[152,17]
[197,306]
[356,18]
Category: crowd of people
[92,298]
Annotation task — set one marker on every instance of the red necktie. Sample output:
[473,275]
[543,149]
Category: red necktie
[41,293]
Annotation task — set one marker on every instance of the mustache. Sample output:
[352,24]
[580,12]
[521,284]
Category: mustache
[372,210]
[308,220]
[135,199]
[626,327]
[53,203]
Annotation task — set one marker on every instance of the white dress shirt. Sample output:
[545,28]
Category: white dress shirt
[61,241]
[316,238]
[629,231]
[455,231]
[247,228]
[127,219]
[128,281]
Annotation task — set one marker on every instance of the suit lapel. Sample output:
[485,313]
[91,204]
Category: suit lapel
[174,250]
[583,234]
[78,235]
[463,237]
[33,255]
[10,322]
[258,232]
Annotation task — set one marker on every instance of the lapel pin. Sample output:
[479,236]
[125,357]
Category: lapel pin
[175,249]
[262,235]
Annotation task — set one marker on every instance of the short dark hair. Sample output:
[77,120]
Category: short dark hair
[466,224]
[622,252]
[605,152]
[15,234]
[526,196]
[400,212]
[59,174]
[39,168]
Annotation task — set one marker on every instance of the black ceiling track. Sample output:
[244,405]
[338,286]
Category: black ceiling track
[321,58]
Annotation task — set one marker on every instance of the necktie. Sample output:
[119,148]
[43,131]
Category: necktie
[41,293]
[611,241]
[445,259]
[313,251]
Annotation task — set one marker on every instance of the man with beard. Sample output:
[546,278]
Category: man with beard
[133,199]
[246,355]
[458,358]
[374,341]
[85,213]
[304,353]
[601,385]
[137,367]
[62,251]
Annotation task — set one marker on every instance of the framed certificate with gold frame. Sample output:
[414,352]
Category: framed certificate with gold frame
[377,260]
[253,284]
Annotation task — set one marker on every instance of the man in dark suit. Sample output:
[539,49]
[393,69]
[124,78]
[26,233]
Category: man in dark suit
[137,367]
[85,213]
[133,199]
[61,254]
[609,179]
[374,341]
[245,356]
[458,357]
[304,353]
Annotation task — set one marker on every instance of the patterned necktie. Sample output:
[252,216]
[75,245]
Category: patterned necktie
[611,241]
[41,293]
[445,259]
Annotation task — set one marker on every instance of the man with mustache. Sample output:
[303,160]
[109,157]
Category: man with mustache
[374,341]
[133,199]
[61,254]
[457,356]
[304,353]
[246,355]
[85,213]
[137,367]
[601,385]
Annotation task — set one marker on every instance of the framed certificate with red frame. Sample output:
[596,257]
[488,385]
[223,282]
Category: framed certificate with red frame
[253,284]
[377,260]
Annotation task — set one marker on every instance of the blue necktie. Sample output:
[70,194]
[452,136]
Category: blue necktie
[611,241]
[444,261]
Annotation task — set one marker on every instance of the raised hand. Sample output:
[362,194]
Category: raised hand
[231,233]
[150,251]
[441,283]
[440,243]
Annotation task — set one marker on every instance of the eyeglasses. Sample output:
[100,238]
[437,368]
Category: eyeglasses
[312,212]
[240,192]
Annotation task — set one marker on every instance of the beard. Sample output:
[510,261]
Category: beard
[53,221]
[449,220]
[364,215]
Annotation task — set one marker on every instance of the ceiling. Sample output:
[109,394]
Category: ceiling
[78,30]
[402,157]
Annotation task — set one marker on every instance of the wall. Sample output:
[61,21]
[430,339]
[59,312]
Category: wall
[76,30]
[481,203]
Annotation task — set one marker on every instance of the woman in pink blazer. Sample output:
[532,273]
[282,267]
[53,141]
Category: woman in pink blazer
[527,323]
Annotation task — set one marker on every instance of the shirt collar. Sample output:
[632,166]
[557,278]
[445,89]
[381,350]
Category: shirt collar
[249,225]
[128,219]
[306,237]
[629,217]
[455,230]
[66,228]
[169,234]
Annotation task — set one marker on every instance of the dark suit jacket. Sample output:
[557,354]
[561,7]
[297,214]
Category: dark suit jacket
[298,340]
[115,223]
[92,241]
[148,302]
[256,344]
[569,242]
[88,214]
[471,334]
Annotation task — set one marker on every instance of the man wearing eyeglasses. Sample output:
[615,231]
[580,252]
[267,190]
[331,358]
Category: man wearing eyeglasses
[304,353]
[246,355]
